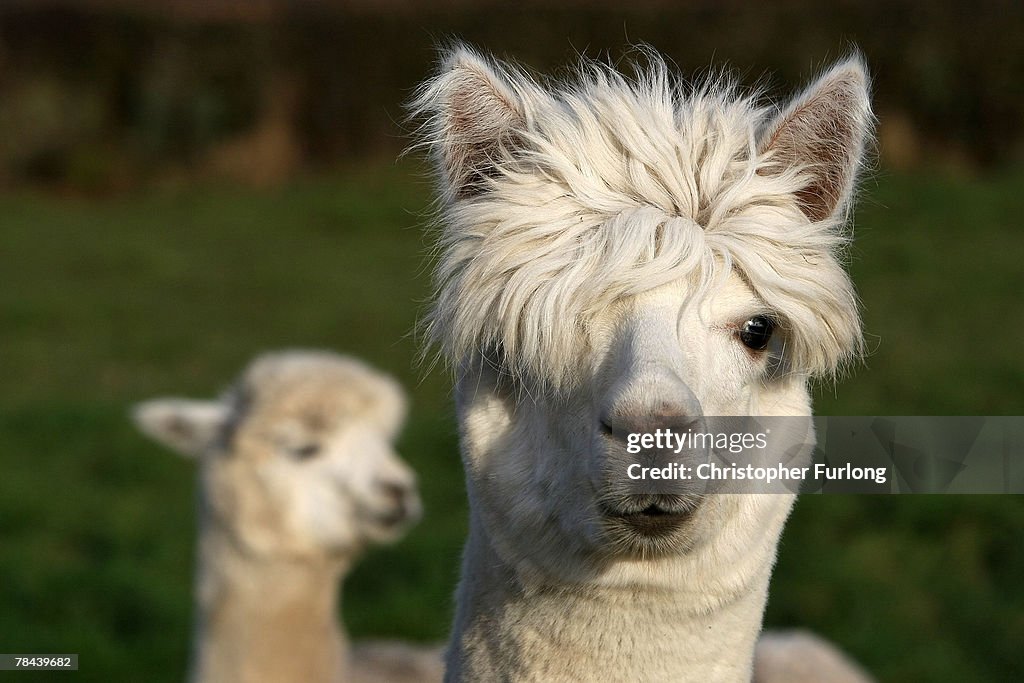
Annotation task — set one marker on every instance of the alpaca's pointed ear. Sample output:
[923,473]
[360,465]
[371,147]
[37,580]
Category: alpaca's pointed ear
[823,132]
[186,426]
[474,111]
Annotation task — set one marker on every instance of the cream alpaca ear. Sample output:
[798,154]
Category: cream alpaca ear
[474,113]
[186,426]
[824,132]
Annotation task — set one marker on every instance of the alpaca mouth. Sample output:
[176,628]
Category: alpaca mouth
[653,520]
[393,519]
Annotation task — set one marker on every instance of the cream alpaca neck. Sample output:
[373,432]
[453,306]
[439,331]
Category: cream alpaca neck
[265,618]
[510,629]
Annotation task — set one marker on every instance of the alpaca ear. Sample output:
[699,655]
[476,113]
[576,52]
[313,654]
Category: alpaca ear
[188,427]
[475,111]
[823,132]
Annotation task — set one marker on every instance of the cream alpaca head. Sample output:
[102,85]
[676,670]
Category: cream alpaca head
[296,459]
[616,250]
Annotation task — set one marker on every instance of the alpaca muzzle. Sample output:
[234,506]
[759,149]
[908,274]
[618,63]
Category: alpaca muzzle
[643,491]
[401,504]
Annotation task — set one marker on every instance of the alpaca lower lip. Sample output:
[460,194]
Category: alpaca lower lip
[652,521]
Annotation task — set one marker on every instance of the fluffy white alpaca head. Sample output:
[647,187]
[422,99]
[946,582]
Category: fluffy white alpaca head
[615,251]
[297,458]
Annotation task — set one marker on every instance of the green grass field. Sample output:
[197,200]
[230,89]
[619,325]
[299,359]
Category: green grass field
[104,303]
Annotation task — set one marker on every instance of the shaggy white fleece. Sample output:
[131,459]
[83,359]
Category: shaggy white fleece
[605,187]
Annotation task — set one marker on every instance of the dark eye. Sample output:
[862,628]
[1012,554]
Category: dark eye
[306,451]
[757,332]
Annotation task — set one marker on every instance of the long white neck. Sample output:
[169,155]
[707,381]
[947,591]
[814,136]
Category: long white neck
[539,600]
[262,619]
[508,629]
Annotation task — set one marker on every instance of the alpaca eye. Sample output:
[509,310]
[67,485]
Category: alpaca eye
[757,332]
[305,451]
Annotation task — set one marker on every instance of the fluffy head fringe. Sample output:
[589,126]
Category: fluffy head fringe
[557,202]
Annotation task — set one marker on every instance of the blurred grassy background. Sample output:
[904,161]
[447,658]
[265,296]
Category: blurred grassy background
[183,194]
[109,302]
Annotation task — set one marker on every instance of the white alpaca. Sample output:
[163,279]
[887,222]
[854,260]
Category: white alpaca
[297,475]
[614,252]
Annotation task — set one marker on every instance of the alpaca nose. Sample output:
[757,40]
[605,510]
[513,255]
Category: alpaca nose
[393,492]
[645,423]
[656,399]
[401,497]
[619,425]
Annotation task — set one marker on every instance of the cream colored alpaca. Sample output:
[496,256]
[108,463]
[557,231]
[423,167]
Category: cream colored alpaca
[297,475]
[617,253]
